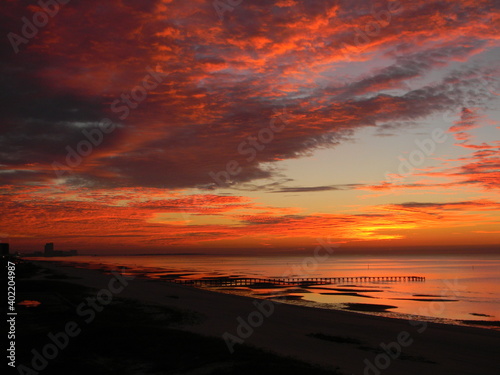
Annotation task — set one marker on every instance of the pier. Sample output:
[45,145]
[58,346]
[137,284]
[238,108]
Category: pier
[248,281]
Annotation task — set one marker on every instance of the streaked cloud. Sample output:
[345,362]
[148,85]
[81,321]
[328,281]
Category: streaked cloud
[223,82]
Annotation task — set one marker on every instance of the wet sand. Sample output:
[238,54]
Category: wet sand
[306,333]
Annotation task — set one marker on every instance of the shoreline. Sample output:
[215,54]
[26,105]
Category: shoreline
[435,347]
[111,335]
[368,308]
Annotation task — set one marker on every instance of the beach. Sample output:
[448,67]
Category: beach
[449,289]
[352,342]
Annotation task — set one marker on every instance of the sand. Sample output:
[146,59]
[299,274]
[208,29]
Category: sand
[347,340]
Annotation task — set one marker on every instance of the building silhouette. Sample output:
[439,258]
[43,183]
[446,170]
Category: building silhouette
[49,249]
[4,248]
[50,252]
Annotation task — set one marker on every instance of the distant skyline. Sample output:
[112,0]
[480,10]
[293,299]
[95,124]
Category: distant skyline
[178,125]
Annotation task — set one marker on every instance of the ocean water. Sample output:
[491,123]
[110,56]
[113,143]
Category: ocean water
[456,288]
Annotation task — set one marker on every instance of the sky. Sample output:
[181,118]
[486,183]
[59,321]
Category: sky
[249,126]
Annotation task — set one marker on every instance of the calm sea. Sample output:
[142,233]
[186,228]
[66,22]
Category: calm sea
[457,288]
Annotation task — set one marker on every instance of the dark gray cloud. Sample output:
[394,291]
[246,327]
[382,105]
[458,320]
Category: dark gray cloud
[312,189]
[226,82]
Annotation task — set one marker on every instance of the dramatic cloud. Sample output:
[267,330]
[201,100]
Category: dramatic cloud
[226,81]
[104,218]
[118,102]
